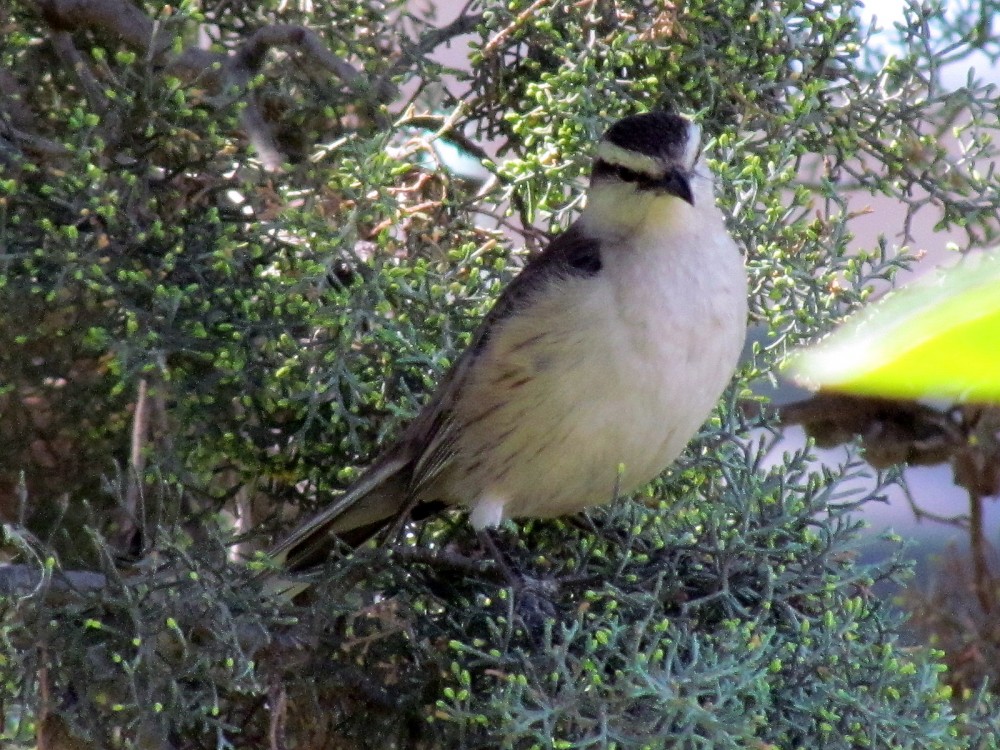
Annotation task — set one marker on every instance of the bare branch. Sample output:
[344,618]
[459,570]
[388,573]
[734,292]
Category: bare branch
[464,24]
[118,17]
[251,53]
[25,580]
[137,454]
[984,581]
[260,135]
[12,102]
[34,143]
[70,56]
[893,430]
[278,700]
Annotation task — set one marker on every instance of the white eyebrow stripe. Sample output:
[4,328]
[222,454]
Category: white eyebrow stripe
[693,144]
[622,157]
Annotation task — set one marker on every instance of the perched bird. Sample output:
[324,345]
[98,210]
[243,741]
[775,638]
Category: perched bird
[593,369]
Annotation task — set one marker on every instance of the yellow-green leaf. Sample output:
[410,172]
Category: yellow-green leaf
[939,337]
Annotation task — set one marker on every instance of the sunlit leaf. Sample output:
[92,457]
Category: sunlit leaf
[939,337]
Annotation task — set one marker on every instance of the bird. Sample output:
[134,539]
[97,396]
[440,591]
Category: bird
[594,367]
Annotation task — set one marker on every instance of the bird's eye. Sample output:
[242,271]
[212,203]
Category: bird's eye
[630,175]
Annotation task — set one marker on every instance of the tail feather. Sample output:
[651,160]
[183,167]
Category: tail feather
[367,506]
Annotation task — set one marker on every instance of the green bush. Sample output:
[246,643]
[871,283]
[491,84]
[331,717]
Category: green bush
[227,275]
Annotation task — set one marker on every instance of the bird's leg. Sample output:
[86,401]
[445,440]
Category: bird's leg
[533,597]
[393,532]
[516,580]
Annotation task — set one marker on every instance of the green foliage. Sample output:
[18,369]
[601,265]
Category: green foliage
[724,624]
[717,629]
[267,323]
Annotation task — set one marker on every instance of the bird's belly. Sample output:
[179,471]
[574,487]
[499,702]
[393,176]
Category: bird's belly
[582,414]
[610,427]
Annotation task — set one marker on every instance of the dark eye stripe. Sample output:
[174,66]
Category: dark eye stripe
[630,175]
[641,179]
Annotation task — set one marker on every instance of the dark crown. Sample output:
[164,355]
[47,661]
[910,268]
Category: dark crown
[658,134]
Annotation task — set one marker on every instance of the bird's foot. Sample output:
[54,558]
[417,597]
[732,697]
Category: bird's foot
[534,598]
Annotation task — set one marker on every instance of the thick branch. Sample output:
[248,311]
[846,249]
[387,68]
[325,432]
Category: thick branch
[464,24]
[893,430]
[260,135]
[982,580]
[13,102]
[34,143]
[25,580]
[137,454]
[252,51]
[127,23]
[118,17]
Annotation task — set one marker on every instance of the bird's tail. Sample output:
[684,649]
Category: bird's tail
[368,505]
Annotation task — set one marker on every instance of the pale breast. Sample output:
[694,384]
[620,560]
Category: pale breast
[598,384]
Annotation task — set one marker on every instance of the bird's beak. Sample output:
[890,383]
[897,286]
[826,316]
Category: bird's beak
[678,183]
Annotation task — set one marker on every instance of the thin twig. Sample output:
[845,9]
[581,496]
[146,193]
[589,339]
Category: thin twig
[522,18]
[431,40]
[982,579]
[70,56]
[137,454]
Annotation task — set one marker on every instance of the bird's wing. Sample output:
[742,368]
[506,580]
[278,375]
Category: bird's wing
[435,432]
[428,445]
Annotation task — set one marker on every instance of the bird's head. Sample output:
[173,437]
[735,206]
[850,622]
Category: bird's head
[643,160]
